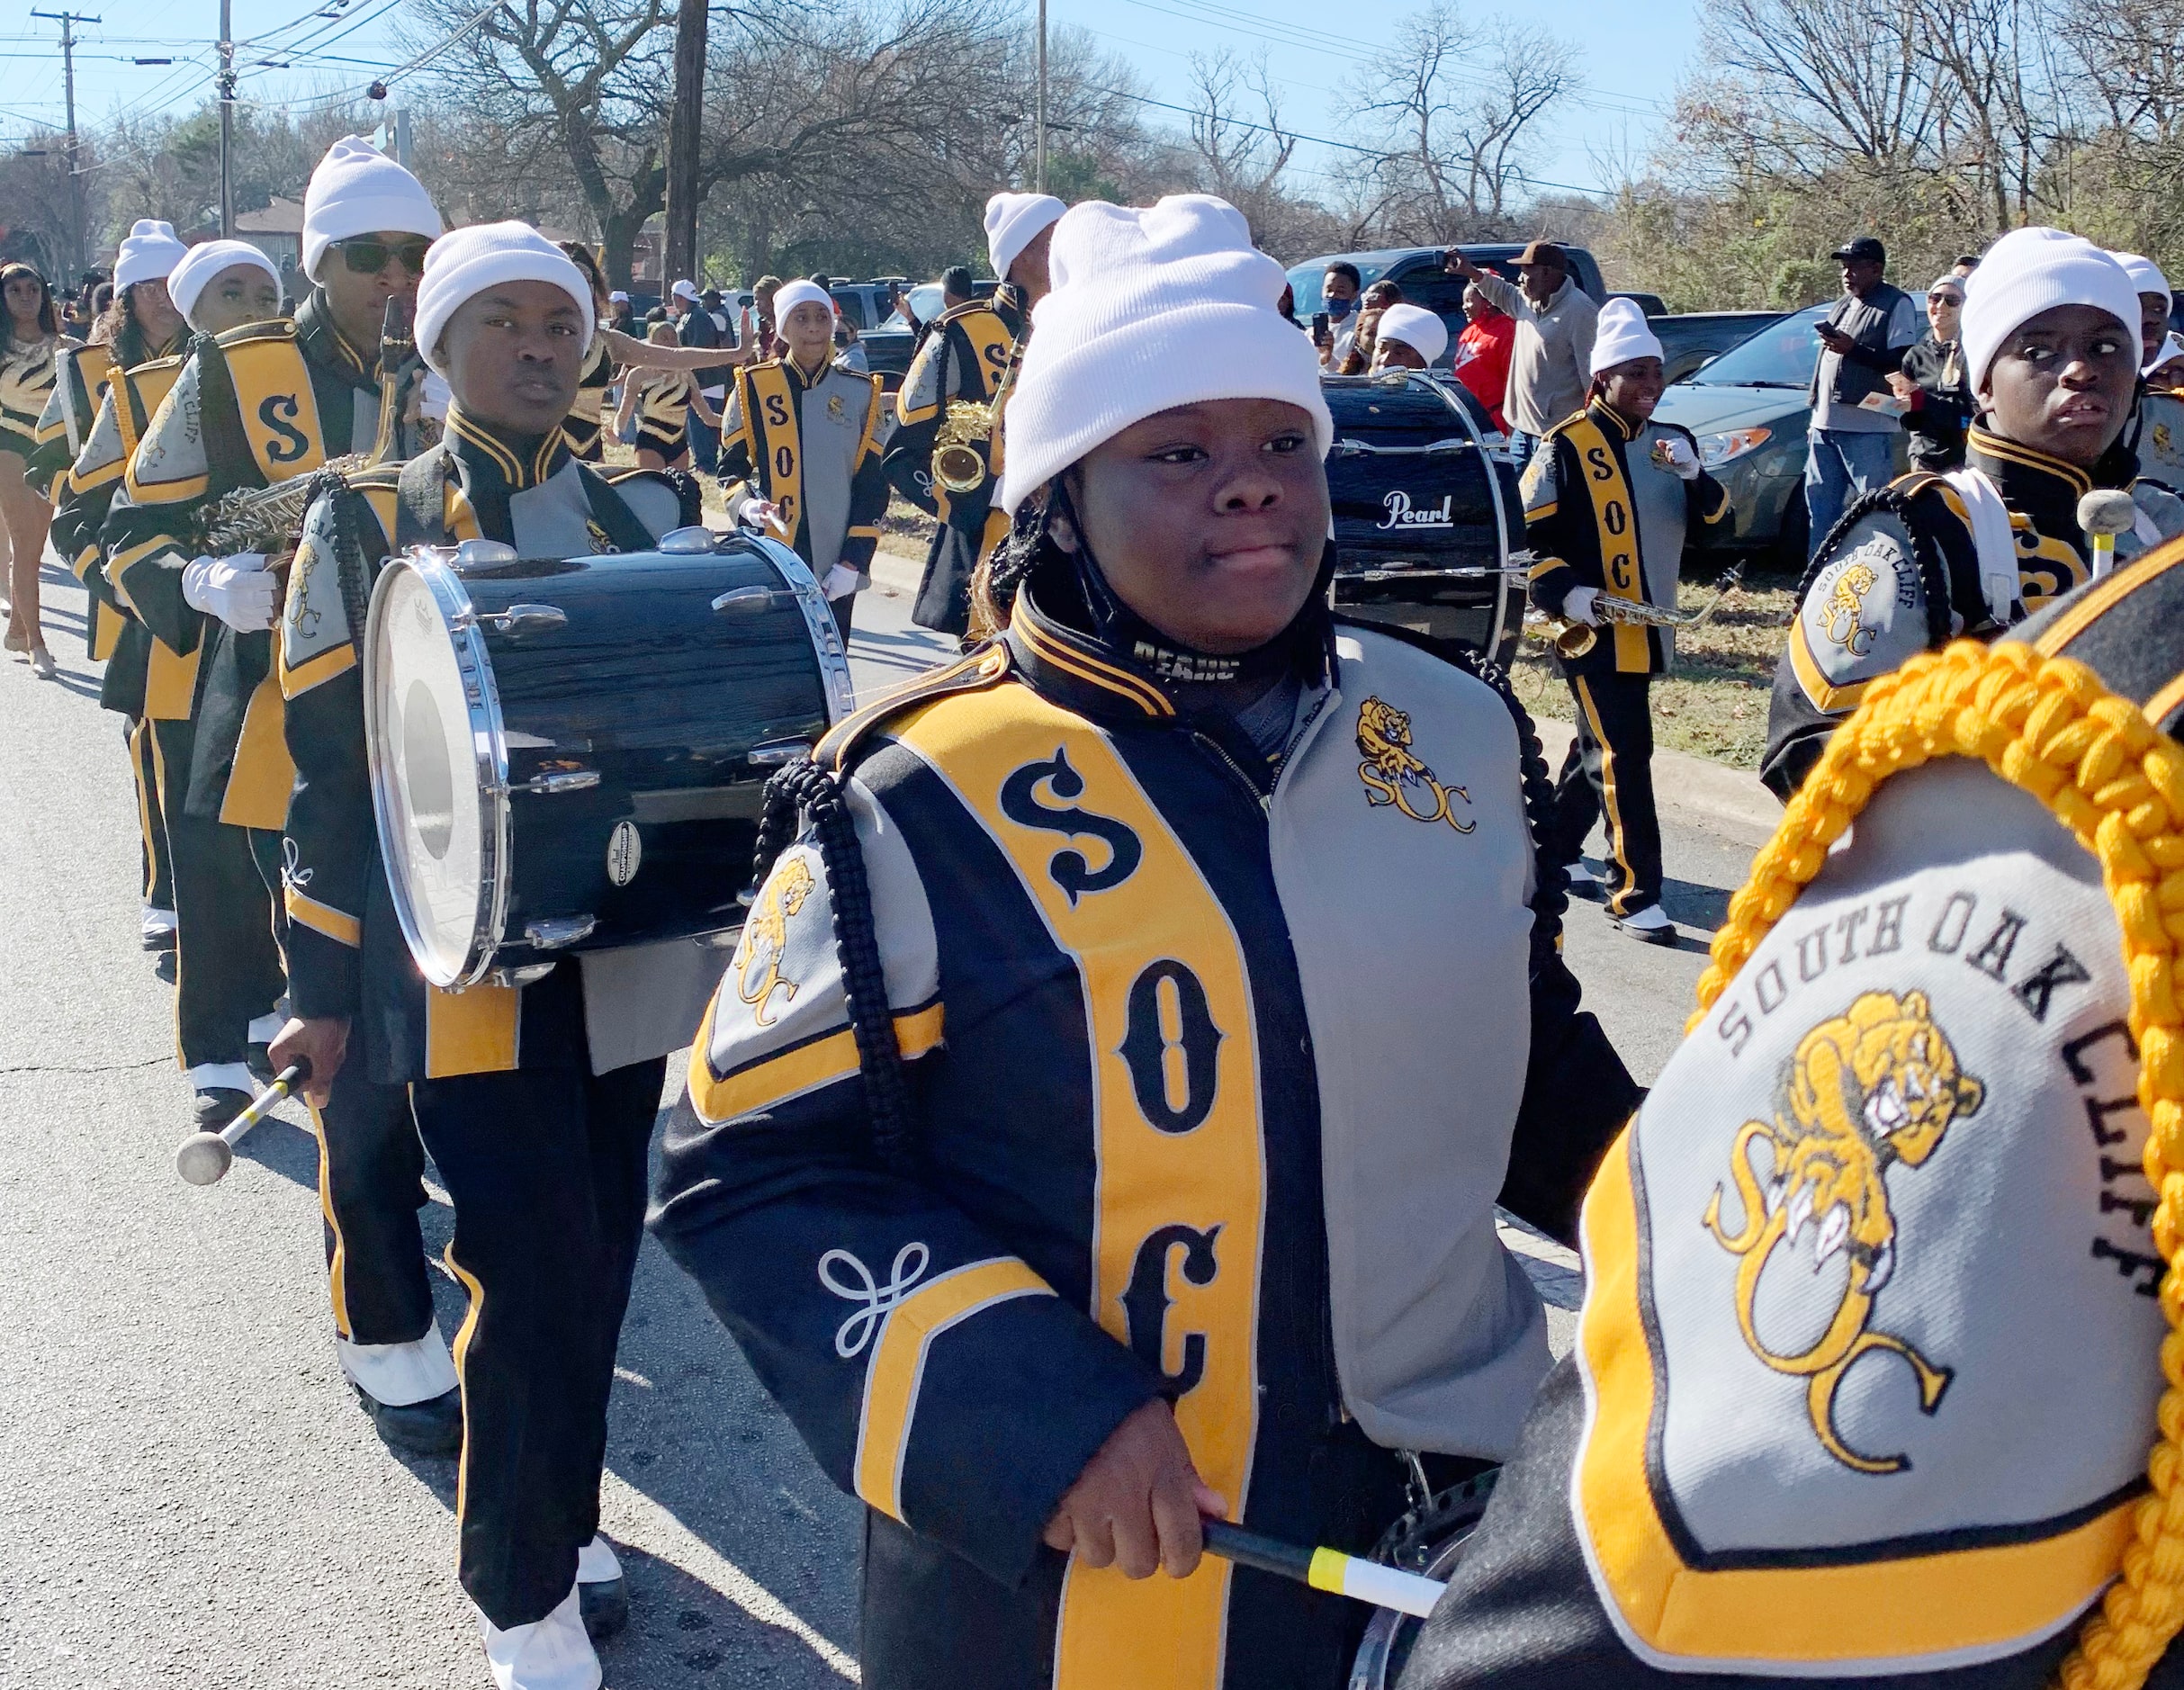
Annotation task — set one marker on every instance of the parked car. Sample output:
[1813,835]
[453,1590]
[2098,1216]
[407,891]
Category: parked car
[1417,271]
[1651,304]
[891,345]
[1750,414]
[1690,339]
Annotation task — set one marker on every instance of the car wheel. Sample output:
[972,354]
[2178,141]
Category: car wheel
[1794,541]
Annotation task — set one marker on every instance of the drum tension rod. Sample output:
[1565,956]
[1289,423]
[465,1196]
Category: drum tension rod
[559,780]
[516,621]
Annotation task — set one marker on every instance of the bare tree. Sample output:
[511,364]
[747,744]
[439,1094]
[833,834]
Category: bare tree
[1456,111]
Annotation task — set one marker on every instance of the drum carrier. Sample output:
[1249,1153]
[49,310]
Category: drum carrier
[571,755]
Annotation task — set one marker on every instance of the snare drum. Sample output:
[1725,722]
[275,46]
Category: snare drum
[1428,1540]
[572,755]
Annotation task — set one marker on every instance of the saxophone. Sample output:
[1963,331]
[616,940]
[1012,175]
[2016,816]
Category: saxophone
[1575,639]
[963,447]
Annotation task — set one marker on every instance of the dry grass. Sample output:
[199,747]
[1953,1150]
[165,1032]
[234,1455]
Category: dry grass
[1715,704]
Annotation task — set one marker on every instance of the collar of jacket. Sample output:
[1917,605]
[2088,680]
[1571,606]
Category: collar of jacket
[1008,303]
[491,457]
[326,346]
[1609,417]
[798,382]
[1078,671]
[2029,480]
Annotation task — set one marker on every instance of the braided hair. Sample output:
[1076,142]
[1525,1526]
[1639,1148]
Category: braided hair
[1001,574]
[805,789]
[1894,500]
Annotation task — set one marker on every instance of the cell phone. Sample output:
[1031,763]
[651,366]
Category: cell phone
[1320,335]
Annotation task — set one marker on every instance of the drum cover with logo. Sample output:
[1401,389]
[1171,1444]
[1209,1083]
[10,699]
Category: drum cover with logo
[571,755]
[1426,512]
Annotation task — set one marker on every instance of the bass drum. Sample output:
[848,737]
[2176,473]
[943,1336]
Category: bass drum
[1430,1540]
[1426,511]
[572,755]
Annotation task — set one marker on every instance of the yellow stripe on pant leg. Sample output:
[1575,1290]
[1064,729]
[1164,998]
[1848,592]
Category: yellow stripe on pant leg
[469,1330]
[159,777]
[1614,809]
[139,766]
[337,1269]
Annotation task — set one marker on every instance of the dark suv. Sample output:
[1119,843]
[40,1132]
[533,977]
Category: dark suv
[1417,271]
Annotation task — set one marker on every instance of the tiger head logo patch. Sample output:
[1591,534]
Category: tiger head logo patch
[1874,1088]
[1394,774]
[601,539]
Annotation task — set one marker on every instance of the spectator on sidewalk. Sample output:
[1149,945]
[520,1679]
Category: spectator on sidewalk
[1851,445]
[1932,382]
[694,327]
[1483,351]
[1372,305]
[1552,357]
[1338,294]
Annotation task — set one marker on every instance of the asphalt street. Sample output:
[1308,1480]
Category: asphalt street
[193,1496]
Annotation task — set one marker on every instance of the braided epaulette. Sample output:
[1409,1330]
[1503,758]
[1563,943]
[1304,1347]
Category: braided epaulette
[2049,726]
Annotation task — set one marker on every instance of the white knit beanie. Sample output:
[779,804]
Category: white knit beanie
[1622,335]
[1423,332]
[800,292]
[1151,308]
[2145,275]
[2032,270]
[464,263]
[358,190]
[148,252]
[1013,222]
[186,282]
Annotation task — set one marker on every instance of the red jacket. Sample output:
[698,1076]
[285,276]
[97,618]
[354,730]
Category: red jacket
[1482,361]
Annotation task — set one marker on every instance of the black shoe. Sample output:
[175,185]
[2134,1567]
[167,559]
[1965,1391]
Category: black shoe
[258,1059]
[604,1605]
[431,1428]
[216,1106]
[161,939]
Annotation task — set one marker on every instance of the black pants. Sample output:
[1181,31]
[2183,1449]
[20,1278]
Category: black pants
[159,871]
[1610,768]
[547,1170]
[370,1186]
[844,608]
[228,958]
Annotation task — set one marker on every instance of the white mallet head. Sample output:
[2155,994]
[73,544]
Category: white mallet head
[203,1158]
[2107,510]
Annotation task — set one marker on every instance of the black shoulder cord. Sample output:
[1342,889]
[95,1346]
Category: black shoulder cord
[1926,553]
[804,789]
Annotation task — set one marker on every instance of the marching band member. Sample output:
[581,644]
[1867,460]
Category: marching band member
[213,287]
[1148,856]
[1609,499]
[1882,1282]
[801,449]
[2051,346]
[1409,339]
[538,1114]
[31,343]
[2158,435]
[962,359]
[661,404]
[255,406]
[612,352]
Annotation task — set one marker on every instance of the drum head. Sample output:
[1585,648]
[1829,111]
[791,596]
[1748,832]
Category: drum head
[437,794]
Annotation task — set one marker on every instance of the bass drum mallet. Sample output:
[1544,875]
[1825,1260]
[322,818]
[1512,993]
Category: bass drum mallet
[2104,513]
[204,1158]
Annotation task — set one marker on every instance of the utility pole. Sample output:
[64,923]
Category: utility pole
[67,21]
[1038,180]
[227,122]
[683,122]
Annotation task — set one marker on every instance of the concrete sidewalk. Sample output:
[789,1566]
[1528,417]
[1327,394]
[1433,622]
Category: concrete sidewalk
[1729,802]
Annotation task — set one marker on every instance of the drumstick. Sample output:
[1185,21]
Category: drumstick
[1325,1569]
[204,1158]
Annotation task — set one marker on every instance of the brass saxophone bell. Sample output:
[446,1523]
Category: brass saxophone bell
[1575,639]
[958,465]
[959,469]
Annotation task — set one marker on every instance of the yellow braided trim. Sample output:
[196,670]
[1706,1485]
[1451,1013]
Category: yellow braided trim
[2045,724]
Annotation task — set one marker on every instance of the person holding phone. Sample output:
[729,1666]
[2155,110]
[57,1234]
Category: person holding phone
[1335,327]
[1550,356]
[1851,445]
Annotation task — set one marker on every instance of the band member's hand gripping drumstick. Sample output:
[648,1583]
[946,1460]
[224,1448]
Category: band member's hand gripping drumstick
[1325,1569]
[204,1158]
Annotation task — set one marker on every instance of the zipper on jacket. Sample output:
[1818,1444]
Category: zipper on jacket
[1263,800]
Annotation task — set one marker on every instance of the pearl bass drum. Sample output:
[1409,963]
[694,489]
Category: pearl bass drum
[571,755]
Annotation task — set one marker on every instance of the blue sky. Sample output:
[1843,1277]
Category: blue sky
[1633,53]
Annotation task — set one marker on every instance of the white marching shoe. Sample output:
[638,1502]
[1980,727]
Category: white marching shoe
[1648,925]
[550,1654]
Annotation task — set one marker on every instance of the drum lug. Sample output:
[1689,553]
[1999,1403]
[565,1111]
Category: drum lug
[745,601]
[557,932]
[773,753]
[559,780]
[529,974]
[518,620]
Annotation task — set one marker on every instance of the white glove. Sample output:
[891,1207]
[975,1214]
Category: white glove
[753,513]
[433,396]
[841,580]
[1678,454]
[237,589]
[1577,605]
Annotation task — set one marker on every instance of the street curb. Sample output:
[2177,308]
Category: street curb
[1731,799]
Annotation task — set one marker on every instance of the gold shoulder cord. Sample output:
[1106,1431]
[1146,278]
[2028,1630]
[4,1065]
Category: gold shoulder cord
[2048,725]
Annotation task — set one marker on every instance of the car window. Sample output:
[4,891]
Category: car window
[853,305]
[1782,354]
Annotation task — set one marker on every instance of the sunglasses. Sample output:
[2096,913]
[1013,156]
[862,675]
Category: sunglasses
[369,257]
